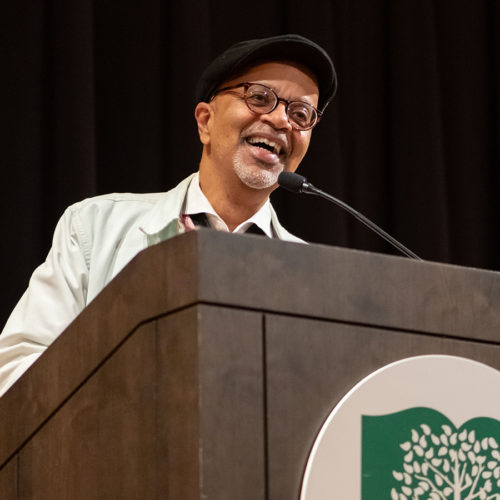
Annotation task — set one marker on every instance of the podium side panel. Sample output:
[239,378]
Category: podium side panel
[177,405]
[8,480]
[312,364]
[100,443]
[226,355]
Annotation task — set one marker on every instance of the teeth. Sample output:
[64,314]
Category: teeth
[276,147]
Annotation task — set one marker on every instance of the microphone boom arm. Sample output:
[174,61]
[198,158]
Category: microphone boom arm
[298,184]
[308,188]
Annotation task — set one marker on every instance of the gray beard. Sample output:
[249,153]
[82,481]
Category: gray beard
[255,177]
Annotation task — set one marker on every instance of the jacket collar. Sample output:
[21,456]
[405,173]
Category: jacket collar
[167,209]
[162,221]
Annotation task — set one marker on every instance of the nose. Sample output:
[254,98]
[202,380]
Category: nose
[278,118]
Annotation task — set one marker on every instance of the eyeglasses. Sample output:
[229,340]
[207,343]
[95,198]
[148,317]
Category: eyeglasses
[262,100]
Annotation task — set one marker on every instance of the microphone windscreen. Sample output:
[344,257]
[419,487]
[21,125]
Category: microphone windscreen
[291,181]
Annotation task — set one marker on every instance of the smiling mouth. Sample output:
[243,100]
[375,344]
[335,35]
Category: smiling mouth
[266,144]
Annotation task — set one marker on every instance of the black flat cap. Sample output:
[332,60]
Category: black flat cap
[294,48]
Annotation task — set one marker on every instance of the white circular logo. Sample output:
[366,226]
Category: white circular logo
[421,428]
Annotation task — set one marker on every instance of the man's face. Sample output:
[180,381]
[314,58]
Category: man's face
[258,147]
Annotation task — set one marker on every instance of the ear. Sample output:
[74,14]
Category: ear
[203,114]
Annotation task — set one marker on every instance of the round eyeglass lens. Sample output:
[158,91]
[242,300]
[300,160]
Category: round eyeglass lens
[260,99]
[301,114]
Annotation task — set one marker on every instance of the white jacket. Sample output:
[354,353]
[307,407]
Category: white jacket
[93,241]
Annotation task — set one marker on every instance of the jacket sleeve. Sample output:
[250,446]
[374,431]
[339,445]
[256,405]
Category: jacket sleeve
[55,296]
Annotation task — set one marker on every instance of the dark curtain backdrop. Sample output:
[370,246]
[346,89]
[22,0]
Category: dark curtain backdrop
[97,96]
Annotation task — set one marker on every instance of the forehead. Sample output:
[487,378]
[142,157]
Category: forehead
[289,78]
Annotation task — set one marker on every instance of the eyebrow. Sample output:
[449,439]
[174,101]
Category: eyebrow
[278,94]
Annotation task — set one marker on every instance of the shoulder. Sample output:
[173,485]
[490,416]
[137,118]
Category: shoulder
[130,205]
[121,201]
[109,213]
[285,235]
[107,217]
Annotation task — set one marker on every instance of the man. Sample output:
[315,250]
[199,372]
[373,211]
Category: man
[257,105]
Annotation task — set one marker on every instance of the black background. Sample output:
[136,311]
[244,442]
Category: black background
[97,96]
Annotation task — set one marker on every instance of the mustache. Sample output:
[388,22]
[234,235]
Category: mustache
[269,133]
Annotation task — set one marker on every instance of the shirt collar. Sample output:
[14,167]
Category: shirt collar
[196,202]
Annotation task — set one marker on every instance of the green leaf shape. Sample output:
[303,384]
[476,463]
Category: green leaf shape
[383,453]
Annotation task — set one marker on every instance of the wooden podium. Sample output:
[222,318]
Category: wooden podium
[207,366]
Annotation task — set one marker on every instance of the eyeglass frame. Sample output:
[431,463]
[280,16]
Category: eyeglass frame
[247,85]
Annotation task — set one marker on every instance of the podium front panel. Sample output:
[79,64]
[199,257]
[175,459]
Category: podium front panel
[312,364]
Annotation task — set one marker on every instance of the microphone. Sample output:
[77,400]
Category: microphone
[297,183]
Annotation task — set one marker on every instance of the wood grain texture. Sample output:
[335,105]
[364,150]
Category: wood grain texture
[155,282]
[177,405]
[255,273]
[212,404]
[168,361]
[176,412]
[8,480]
[312,364]
[101,443]
[347,285]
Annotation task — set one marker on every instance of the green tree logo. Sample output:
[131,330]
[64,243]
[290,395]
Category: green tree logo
[419,454]
[449,465]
